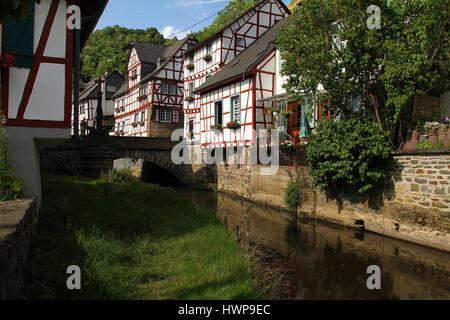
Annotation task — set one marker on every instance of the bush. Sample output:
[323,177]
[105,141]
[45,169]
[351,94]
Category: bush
[10,187]
[124,175]
[348,155]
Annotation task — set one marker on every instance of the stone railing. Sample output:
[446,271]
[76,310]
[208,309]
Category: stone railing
[18,225]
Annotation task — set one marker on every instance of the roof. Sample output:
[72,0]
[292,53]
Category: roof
[241,65]
[92,10]
[168,53]
[149,52]
[90,90]
[122,90]
[218,32]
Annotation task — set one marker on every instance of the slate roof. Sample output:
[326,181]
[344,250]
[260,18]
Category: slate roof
[148,53]
[167,54]
[241,65]
[90,89]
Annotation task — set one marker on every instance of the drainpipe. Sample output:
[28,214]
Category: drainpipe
[76,84]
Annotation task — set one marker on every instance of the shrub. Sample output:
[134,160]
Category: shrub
[10,187]
[348,155]
[426,145]
[124,175]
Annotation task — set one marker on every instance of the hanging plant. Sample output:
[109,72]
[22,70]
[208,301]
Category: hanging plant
[8,60]
[190,66]
[189,99]
[207,58]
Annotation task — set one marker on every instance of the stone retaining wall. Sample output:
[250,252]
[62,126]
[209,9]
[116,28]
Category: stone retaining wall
[18,225]
[414,205]
[423,180]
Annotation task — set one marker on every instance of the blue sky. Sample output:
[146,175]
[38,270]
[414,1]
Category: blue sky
[170,17]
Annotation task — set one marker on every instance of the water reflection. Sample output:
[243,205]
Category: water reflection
[329,262]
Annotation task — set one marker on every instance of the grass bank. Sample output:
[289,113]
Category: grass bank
[134,241]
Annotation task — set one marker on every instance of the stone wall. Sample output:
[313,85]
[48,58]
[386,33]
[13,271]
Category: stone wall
[423,180]
[413,206]
[18,225]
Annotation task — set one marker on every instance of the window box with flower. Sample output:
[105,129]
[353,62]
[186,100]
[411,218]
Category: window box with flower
[217,127]
[7,60]
[142,97]
[233,125]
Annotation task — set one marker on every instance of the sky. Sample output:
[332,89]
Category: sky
[170,17]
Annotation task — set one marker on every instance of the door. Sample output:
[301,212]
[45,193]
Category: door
[295,120]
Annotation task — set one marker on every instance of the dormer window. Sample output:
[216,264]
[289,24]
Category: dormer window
[133,74]
[239,41]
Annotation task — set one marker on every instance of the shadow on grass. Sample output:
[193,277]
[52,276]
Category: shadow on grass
[112,231]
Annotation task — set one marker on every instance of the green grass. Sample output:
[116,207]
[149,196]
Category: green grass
[134,241]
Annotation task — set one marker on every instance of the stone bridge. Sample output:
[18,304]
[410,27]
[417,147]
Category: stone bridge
[91,155]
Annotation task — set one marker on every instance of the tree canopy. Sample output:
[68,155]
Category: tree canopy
[328,42]
[232,11]
[108,49]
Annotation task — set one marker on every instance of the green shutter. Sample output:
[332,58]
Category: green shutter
[19,38]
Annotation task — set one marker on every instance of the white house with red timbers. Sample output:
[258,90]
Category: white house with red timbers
[219,51]
[150,102]
[36,93]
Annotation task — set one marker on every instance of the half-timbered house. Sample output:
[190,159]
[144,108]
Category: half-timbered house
[150,102]
[213,54]
[89,98]
[36,93]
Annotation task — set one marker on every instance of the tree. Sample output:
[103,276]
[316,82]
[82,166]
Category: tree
[108,49]
[232,11]
[18,9]
[328,42]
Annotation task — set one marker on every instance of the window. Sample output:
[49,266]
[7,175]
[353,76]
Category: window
[209,48]
[142,116]
[207,77]
[239,41]
[164,88]
[143,91]
[218,116]
[191,126]
[236,108]
[191,59]
[135,118]
[165,116]
[172,89]
[175,116]
[191,89]
[19,38]
[133,73]
[123,103]
[82,109]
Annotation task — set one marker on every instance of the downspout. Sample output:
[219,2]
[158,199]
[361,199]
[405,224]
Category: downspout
[76,84]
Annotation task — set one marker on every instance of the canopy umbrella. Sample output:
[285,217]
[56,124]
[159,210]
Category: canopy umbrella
[305,128]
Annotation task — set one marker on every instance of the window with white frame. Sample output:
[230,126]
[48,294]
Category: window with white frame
[143,91]
[209,48]
[236,108]
[218,116]
[191,89]
[164,88]
[143,116]
[165,116]
[191,59]
[135,118]
[172,89]
[239,41]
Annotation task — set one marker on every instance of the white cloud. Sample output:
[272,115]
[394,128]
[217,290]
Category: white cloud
[170,31]
[191,3]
